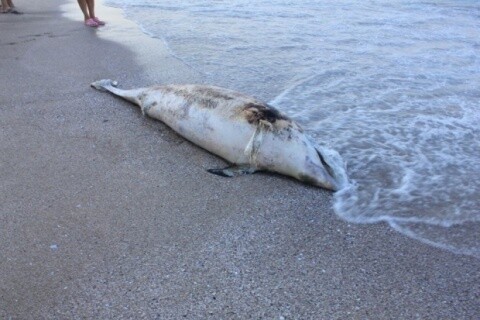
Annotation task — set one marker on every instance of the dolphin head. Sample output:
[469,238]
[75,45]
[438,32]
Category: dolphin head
[326,169]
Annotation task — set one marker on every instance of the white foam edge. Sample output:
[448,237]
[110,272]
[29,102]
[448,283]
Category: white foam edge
[409,233]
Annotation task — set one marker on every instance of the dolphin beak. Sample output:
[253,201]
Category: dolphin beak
[331,185]
[319,176]
[327,181]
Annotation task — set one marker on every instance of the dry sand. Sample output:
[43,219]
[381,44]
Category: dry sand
[105,214]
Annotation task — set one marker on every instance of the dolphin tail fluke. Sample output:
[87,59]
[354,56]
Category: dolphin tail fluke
[108,85]
[104,84]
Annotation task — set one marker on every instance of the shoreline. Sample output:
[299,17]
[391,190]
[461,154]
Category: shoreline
[140,42]
[148,51]
[107,214]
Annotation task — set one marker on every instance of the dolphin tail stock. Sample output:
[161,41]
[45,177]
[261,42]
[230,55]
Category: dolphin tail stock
[108,85]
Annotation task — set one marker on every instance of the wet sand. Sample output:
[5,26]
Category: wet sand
[105,214]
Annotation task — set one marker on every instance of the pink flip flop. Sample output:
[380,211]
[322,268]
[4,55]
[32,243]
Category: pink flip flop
[91,23]
[98,21]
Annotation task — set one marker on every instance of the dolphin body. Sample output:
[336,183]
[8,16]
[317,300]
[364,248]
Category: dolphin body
[244,131]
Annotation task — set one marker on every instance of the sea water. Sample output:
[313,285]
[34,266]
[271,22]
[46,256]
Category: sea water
[392,85]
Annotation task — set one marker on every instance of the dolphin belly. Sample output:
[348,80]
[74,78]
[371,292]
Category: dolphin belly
[210,130]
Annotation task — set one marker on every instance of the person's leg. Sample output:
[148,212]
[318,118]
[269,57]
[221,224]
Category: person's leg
[10,4]
[91,8]
[88,13]
[5,6]
[83,7]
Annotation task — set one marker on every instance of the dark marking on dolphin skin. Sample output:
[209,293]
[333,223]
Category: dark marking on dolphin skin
[201,100]
[149,106]
[213,94]
[307,179]
[256,112]
[201,96]
[208,103]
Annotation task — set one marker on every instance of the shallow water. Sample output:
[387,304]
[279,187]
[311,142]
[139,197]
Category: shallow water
[393,86]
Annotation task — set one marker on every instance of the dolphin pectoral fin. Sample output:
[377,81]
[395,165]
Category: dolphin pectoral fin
[233,171]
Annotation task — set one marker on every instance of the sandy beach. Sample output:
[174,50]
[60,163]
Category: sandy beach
[106,214]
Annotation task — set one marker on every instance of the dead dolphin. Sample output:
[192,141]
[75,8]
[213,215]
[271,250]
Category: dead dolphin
[248,133]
